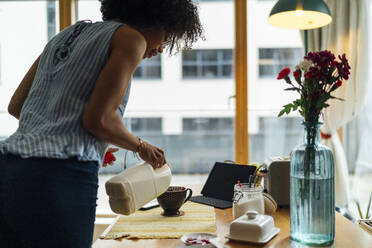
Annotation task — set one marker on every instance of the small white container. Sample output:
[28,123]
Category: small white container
[247,198]
[253,227]
[136,186]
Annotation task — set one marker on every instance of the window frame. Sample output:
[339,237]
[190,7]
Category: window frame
[144,121]
[145,64]
[209,131]
[200,64]
[287,62]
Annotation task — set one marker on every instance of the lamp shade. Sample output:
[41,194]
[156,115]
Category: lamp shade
[300,14]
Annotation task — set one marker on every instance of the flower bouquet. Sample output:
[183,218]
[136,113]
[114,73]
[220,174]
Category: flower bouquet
[312,204]
[316,78]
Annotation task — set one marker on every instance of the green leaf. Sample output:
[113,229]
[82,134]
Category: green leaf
[298,102]
[333,97]
[288,108]
[281,113]
[293,88]
[360,211]
[369,205]
[334,87]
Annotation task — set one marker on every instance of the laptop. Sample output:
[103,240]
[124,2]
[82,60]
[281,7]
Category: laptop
[218,190]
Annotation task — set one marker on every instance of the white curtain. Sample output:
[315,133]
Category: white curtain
[348,33]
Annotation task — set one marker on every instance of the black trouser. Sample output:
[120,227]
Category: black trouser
[47,202]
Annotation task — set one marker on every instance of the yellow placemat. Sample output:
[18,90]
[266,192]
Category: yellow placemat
[151,224]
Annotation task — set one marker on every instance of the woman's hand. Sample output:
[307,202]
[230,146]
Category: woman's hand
[152,155]
[109,156]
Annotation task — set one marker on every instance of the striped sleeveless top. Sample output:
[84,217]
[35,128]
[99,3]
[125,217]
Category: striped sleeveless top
[50,123]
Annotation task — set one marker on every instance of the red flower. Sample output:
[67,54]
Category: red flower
[283,73]
[296,74]
[109,157]
[309,97]
[308,75]
[338,83]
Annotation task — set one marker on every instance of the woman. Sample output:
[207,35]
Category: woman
[70,106]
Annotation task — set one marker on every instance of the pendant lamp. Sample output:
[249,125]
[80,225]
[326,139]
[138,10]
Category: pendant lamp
[300,14]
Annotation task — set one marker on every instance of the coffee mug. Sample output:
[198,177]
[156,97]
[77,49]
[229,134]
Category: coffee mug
[172,200]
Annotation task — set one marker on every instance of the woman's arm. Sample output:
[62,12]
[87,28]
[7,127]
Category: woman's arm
[21,93]
[100,116]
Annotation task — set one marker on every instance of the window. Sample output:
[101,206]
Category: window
[29,25]
[270,49]
[51,19]
[149,69]
[208,63]
[275,137]
[146,125]
[208,125]
[0,66]
[272,60]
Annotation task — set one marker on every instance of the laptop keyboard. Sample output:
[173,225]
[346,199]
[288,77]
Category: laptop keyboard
[218,203]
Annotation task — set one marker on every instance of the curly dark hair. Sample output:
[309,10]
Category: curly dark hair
[178,18]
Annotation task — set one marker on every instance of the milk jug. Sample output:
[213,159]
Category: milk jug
[136,186]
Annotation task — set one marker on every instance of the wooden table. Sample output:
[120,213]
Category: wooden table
[348,234]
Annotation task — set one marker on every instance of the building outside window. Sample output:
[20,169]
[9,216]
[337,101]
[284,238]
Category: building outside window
[25,28]
[208,125]
[273,60]
[275,137]
[0,66]
[51,18]
[149,69]
[146,125]
[207,64]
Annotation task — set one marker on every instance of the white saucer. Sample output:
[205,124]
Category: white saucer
[274,232]
[206,236]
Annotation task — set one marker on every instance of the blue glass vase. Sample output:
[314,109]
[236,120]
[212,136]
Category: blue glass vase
[312,204]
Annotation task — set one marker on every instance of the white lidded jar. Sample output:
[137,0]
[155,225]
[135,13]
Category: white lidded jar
[247,197]
[136,186]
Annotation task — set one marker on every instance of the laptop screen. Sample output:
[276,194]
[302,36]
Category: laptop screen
[223,177]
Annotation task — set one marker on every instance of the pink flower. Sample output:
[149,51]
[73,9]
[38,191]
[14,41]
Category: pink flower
[338,83]
[296,74]
[283,73]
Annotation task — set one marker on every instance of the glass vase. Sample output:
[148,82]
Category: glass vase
[312,205]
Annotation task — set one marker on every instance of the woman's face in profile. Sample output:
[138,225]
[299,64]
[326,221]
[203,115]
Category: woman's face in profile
[154,40]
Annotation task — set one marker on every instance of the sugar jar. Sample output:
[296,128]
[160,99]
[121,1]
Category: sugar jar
[247,197]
